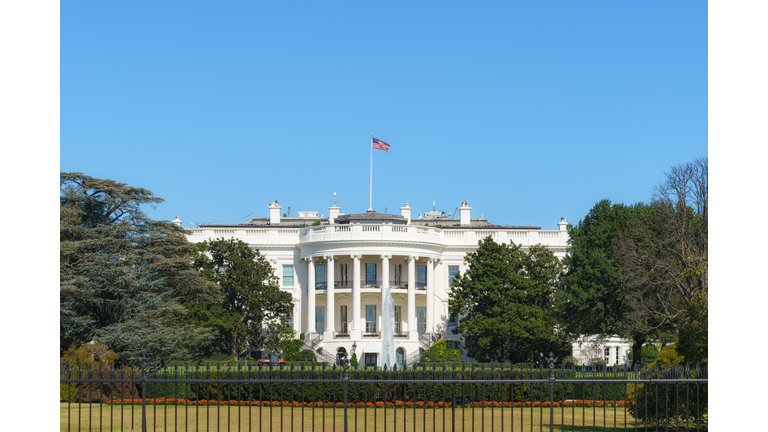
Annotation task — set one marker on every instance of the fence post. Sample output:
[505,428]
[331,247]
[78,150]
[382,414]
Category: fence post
[551,360]
[144,360]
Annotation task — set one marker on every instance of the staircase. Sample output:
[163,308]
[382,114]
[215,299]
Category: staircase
[314,342]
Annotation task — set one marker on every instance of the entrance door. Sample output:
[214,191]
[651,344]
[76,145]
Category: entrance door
[400,357]
[339,354]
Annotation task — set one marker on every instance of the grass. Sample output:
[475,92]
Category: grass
[84,417]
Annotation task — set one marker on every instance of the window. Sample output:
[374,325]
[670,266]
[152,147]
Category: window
[320,319]
[320,276]
[452,270]
[607,355]
[617,355]
[370,318]
[370,274]
[370,359]
[397,320]
[453,317]
[398,273]
[289,319]
[343,274]
[344,320]
[287,275]
[421,319]
[421,276]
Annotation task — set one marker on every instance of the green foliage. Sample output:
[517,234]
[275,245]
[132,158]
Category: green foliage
[122,275]
[439,352]
[669,405]
[505,300]
[593,297]
[353,362]
[316,222]
[251,300]
[648,354]
[291,349]
[306,354]
[692,342]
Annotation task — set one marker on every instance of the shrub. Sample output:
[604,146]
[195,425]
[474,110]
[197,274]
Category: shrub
[647,354]
[353,362]
[291,349]
[307,354]
[316,222]
[668,404]
[79,361]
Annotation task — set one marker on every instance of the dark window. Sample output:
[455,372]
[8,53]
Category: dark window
[370,274]
[320,275]
[421,276]
[452,270]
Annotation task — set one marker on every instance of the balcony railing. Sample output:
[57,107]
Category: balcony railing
[371,334]
[340,335]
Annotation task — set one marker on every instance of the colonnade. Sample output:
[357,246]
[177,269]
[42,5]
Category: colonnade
[357,319]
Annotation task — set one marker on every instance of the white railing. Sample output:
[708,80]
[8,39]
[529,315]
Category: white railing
[370,232]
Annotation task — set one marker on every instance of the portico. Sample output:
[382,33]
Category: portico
[350,307]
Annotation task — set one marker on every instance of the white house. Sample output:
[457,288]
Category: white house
[338,272]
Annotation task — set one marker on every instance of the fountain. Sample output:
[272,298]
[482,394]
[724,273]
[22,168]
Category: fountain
[388,331]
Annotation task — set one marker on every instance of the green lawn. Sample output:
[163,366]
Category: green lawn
[84,417]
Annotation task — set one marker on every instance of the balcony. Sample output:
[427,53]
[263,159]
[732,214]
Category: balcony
[369,232]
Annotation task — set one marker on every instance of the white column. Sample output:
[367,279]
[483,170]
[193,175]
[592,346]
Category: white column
[384,285]
[330,320]
[430,293]
[310,295]
[413,333]
[356,330]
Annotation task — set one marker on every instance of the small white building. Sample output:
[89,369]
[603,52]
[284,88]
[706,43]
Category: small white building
[338,272]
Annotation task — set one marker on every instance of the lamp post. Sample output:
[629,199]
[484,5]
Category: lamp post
[345,364]
[144,360]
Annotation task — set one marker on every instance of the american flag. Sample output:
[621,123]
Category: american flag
[379,144]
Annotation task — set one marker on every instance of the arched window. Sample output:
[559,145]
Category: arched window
[400,357]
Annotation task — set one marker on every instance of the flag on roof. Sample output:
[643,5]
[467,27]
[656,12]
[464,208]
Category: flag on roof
[379,144]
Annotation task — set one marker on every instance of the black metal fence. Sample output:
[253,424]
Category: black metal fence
[456,398]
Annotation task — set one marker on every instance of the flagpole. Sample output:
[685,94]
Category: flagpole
[370,202]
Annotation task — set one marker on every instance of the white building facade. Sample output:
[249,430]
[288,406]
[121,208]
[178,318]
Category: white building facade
[338,272]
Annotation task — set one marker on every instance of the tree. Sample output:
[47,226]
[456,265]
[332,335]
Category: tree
[665,257]
[593,298]
[252,300]
[120,270]
[505,301]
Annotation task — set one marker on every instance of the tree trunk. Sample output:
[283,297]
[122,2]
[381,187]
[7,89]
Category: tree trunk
[637,349]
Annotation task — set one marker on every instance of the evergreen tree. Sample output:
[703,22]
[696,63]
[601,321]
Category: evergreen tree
[122,275]
[252,312]
[505,301]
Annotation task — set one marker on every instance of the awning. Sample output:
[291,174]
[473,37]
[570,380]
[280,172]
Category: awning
[371,347]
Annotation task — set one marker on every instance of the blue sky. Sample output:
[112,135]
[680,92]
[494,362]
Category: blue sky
[530,111]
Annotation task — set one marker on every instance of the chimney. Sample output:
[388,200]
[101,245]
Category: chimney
[464,213]
[406,213]
[562,225]
[333,212]
[177,222]
[274,212]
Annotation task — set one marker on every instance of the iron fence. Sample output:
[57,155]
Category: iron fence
[447,397]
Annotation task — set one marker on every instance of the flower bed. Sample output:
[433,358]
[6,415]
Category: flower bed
[380,404]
